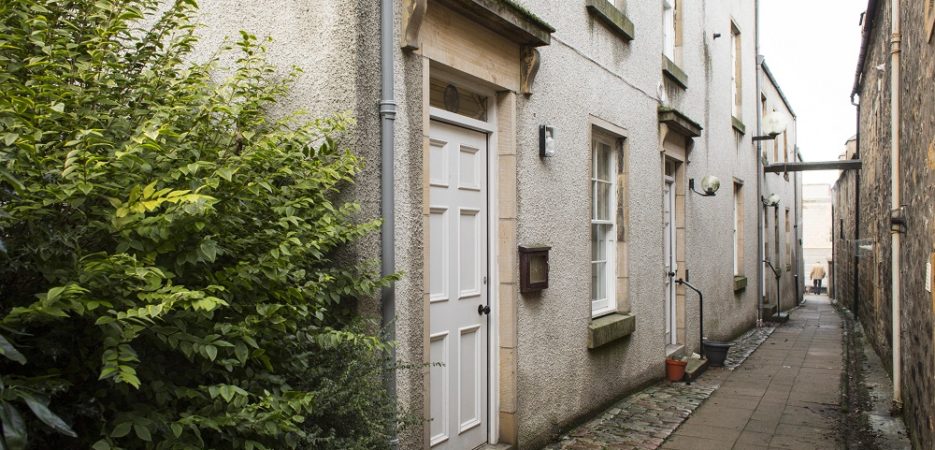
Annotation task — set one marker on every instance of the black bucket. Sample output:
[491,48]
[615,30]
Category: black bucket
[716,352]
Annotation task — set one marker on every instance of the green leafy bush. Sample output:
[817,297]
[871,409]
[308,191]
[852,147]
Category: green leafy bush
[169,276]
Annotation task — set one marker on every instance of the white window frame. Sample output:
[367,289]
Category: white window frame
[668,29]
[737,249]
[735,70]
[608,304]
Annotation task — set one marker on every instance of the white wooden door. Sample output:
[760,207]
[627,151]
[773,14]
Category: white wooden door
[458,286]
[668,251]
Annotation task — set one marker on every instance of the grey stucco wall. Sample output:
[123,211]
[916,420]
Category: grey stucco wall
[589,71]
[786,186]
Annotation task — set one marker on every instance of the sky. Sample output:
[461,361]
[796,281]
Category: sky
[811,47]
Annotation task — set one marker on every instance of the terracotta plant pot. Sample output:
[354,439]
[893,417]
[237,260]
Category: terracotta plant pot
[675,369]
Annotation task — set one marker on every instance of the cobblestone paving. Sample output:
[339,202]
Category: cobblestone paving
[646,418]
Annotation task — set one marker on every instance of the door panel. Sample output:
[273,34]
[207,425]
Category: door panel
[457,273]
[668,202]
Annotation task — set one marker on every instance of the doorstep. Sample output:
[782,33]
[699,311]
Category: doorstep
[695,368]
[495,447]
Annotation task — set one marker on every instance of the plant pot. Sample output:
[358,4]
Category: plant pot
[716,352]
[675,369]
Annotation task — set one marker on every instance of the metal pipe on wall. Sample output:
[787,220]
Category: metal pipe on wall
[387,187]
[760,228]
[856,278]
[895,233]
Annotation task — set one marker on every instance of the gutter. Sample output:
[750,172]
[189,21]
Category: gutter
[387,188]
[870,16]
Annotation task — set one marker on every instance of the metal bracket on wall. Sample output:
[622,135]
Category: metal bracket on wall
[898,220]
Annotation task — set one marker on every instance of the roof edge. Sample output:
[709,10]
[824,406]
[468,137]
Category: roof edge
[772,79]
[870,16]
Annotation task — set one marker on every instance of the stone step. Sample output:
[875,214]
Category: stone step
[695,368]
[495,447]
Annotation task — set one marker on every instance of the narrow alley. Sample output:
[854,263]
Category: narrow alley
[785,395]
[780,388]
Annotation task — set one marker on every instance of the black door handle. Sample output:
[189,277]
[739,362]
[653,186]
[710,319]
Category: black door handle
[483,309]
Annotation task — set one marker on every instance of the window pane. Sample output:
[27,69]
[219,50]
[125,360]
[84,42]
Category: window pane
[598,281]
[604,162]
[457,99]
[603,201]
[599,242]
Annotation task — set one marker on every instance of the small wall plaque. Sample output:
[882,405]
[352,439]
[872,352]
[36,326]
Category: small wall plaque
[533,268]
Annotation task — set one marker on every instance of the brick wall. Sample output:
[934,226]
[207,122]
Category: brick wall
[917,169]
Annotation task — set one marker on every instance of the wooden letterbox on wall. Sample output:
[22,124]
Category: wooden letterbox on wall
[533,268]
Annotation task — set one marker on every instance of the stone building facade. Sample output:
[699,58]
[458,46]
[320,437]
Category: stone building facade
[584,127]
[869,295]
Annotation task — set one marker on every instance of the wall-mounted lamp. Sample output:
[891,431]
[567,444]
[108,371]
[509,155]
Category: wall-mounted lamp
[709,184]
[546,141]
[772,200]
[773,126]
[533,268]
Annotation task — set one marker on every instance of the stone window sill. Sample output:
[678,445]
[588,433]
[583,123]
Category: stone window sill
[609,328]
[738,125]
[675,73]
[740,283]
[612,17]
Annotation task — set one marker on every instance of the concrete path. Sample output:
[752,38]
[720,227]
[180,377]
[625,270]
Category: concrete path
[785,395]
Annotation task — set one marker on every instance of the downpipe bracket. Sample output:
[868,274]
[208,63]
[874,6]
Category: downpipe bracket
[899,220]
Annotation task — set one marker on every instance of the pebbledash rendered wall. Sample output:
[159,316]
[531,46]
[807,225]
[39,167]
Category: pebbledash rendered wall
[871,298]
[587,74]
[788,187]
[590,72]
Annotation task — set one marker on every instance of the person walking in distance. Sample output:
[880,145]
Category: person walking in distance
[817,275]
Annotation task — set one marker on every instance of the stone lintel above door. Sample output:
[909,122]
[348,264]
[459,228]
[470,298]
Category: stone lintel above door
[510,22]
[673,121]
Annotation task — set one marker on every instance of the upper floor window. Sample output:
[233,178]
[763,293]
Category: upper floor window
[670,28]
[736,70]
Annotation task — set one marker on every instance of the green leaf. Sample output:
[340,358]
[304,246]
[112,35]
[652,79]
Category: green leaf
[7,349]
[211,351]
[58,107]
[176,430]
[101,445]
[122,429]
[46,416]
[14,427]
[11,180]
[241,351]
[226,173]
[142,432]
[85,187]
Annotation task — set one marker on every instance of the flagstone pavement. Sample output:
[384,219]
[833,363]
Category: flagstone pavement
[783,395]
